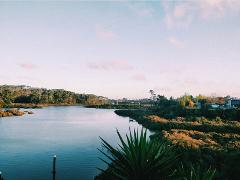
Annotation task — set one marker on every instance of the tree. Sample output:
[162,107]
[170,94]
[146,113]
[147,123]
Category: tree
[183,103]
[35,98]
[191,104]
[1,102]
[162,100]
[153,95]
[7,96]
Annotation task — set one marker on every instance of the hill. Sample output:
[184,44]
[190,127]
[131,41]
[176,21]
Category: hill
[11,95]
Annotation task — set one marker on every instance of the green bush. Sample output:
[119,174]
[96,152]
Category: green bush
[194,172]
[138,158]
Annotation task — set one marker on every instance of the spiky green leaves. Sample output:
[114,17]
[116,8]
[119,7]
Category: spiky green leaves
[194,172]
[138,158]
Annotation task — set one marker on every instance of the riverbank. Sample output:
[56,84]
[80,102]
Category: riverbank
[24,105]
[156,123]
[116,106]
[209,142]
[13,108]
[34,106]
[13,112]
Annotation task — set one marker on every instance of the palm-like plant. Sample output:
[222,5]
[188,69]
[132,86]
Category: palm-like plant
[138,158]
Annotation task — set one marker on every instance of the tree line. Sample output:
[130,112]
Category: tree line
[193,107]
[26,94]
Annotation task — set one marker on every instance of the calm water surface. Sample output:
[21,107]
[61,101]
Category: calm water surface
[28,143]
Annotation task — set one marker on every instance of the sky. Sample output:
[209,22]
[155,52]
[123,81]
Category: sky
[122,49]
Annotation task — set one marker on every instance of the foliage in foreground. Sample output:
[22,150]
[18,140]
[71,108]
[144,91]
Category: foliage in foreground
[138,158]
[194,172]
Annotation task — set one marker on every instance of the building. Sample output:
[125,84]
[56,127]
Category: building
[233,103]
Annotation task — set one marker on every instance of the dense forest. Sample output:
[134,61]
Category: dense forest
[25,94]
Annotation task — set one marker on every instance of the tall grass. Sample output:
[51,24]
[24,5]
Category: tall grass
[194,172]
[145,119]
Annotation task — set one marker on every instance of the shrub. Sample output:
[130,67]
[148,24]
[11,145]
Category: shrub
[218,119]
[138,158]
[194,172]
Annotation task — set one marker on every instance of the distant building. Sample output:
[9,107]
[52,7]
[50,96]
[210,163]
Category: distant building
[233,103]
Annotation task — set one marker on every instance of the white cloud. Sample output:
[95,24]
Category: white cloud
[110,65]
[177,43]
[104,33]
[27,66]
[182,14]
[177,15]
[180,11]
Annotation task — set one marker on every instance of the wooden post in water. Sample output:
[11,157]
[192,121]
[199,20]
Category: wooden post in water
[54,167]
[1,177]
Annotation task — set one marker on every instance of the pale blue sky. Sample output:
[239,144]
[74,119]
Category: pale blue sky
[122,49]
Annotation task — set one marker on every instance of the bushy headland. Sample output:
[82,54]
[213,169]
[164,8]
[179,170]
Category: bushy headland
[29,97]
[13,98]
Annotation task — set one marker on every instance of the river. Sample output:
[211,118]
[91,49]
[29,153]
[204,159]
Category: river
[28,143]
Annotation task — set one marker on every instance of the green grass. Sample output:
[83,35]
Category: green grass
[194,172]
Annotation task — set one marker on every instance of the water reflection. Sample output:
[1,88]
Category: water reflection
[28,143]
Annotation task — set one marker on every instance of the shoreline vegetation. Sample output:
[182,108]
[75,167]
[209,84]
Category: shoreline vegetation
[39,97]
[204,131]
[35,106]
[114,106]
[208,142]
[13,112]
[14,98]
[140,158]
